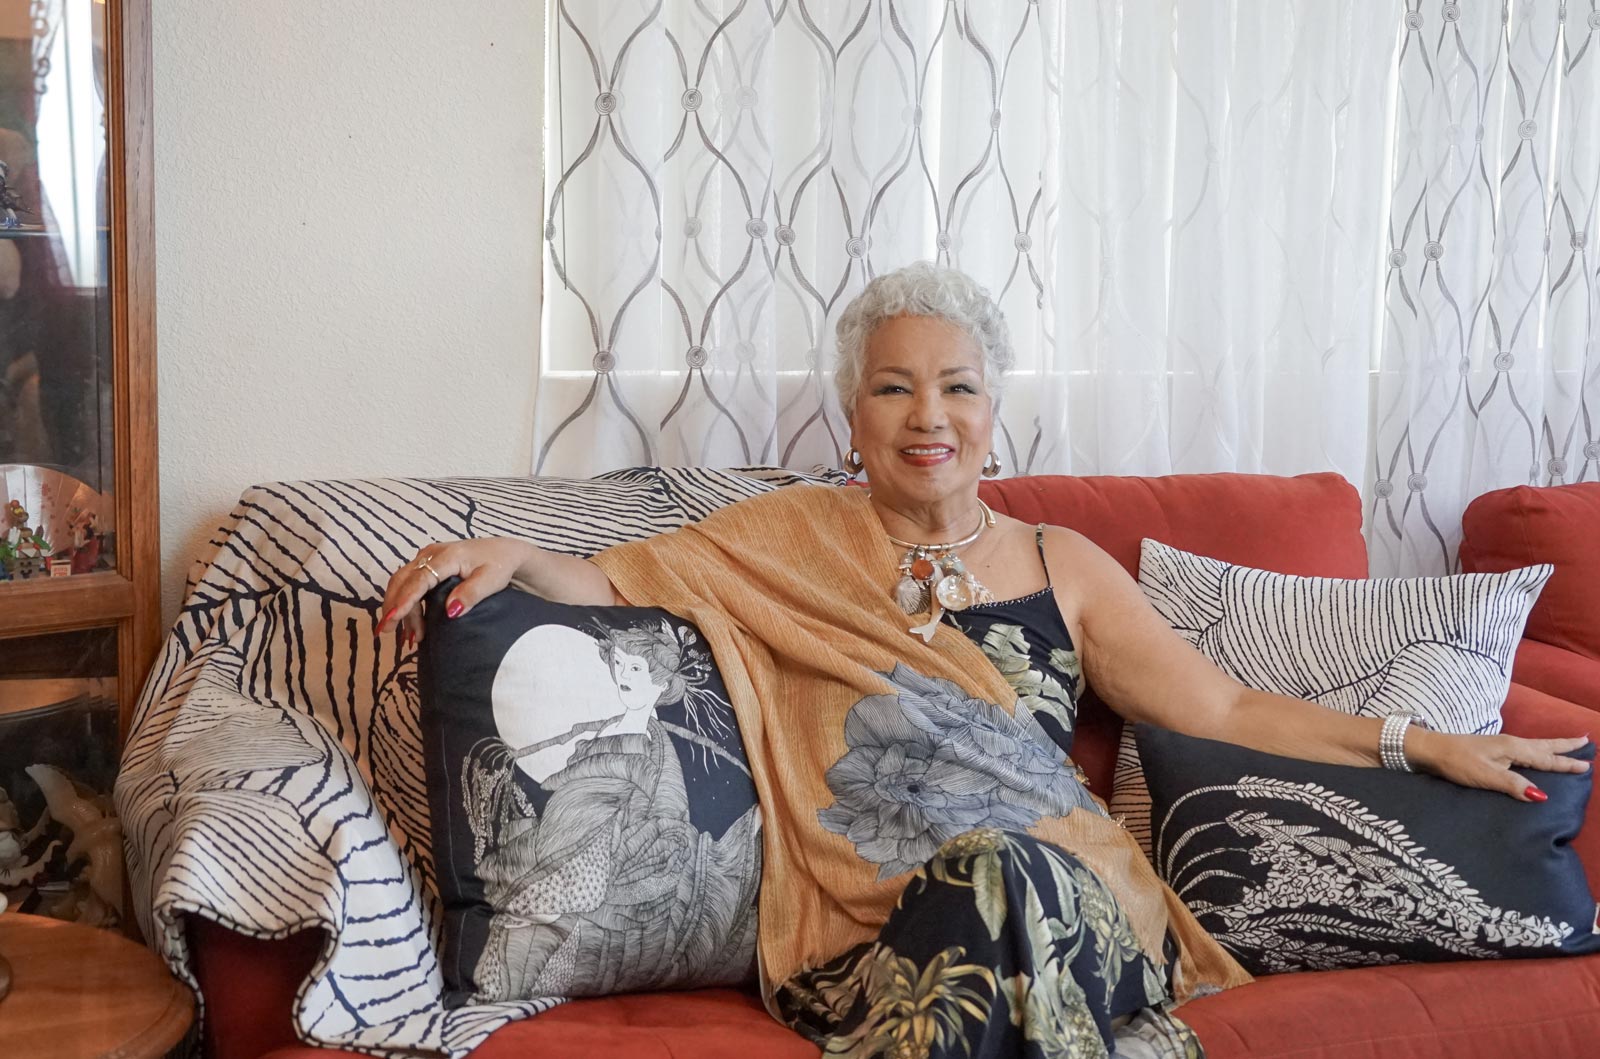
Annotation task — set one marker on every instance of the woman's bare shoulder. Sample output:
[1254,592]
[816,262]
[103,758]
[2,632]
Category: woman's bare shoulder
[1075,559]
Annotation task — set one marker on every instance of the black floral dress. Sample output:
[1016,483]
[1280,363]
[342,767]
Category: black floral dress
[1001,945]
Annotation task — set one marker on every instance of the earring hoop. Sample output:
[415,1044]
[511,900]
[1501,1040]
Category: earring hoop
[852,463]
[991,465]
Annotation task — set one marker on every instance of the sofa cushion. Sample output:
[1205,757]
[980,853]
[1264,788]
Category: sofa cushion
[1559,672]
[1308,525]
[702,1024]
[1296,865]
[594,823]
[1418,1011]
[1440,647]
[1555,524]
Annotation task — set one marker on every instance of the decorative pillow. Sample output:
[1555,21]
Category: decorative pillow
[1440,647]
[595,829]
[1296,866]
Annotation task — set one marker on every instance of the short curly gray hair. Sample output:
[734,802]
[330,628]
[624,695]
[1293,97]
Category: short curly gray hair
[921,289]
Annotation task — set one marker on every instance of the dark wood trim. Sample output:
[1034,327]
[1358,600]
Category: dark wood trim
[67,655]
[54,604]
[132,189]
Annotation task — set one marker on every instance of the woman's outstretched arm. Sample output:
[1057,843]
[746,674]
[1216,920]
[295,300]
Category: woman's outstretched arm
[486,566]
[1147,672]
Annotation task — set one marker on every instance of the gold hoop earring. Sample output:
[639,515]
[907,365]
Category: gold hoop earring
[991,465]
[852,463]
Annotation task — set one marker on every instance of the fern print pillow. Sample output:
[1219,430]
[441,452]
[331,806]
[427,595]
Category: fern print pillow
[1439,647]
[1298,866]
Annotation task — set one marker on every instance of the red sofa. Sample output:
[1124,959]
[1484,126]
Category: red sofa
[1305,525]
[1508,528]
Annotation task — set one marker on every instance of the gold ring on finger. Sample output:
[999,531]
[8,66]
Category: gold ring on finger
[422,564]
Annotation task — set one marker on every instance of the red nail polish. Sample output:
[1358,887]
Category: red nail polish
[1536,795]
[454,609]
[386,619]
[411,640]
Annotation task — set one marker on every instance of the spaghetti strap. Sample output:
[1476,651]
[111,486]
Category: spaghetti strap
[1038,538]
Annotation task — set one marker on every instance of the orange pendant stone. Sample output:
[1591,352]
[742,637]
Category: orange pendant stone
[922,569]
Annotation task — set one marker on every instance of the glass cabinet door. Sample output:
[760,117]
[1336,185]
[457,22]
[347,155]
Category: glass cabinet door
[57,510]
[58,758]
[80,617]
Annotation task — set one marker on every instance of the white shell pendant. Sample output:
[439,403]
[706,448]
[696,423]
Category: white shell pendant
[953,592]
[911,595]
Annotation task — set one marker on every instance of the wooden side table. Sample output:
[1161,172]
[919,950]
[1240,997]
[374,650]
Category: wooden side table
[81,993]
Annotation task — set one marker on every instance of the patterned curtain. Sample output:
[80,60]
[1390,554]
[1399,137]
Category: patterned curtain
[1490,369]
[1190,213]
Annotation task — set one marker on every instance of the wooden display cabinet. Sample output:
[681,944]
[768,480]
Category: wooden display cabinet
[80,619]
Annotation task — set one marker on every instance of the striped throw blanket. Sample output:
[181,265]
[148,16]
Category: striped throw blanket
[272,778]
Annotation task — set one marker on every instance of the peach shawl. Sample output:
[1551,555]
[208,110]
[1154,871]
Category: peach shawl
[792,592]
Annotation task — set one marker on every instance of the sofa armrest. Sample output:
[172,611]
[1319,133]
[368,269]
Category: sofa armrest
[1559,672]
[1534,715]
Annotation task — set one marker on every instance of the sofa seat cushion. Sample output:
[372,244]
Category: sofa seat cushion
[1420,1011]
[1559,672]
[1524,525]
[701,1023]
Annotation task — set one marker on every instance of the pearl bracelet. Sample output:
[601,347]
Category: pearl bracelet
[1392,741]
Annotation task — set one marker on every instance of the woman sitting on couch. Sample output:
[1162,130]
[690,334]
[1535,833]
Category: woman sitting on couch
[937,879]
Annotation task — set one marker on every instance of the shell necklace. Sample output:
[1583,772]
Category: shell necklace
[933,578]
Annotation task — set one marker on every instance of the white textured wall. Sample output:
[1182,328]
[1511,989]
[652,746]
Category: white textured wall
[347,246]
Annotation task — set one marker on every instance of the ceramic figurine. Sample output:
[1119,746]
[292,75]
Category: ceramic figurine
[23,551]
[14,870]
[14,867]
[96,839]
[9,203]
[11,819]
[86,542]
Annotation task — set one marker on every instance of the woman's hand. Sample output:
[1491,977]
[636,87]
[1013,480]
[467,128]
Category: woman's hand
[485,566]
[1491,761]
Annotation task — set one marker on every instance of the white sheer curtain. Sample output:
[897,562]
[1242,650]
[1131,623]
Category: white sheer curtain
[1187,211]
[1222,168]
[1490,371]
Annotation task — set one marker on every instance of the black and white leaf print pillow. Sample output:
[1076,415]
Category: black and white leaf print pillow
[1298,866]
[594,825]
[1439,647]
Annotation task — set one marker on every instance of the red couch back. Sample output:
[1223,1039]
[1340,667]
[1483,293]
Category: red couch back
[1308,525]
[1558,524]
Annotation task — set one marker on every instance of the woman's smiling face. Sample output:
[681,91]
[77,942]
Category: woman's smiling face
[924,419]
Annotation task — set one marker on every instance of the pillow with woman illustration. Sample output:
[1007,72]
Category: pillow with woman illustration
[595,829]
